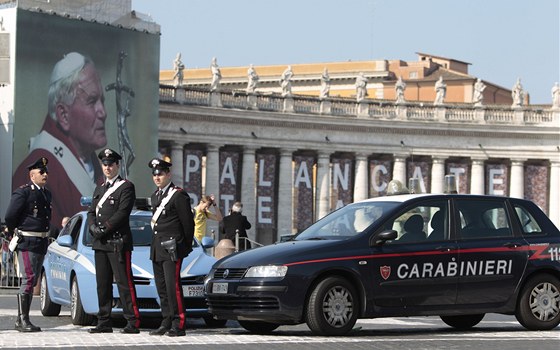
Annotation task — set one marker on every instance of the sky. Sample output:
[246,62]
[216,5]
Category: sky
[502,39]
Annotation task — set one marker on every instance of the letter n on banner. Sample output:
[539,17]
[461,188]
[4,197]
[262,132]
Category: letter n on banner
[342,181]
[497,179]
[420,169]
[267,187]
[536,180]
[229,180]
[193,174]
[303,191]
[381,171]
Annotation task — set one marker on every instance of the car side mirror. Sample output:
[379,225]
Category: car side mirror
[64,241]
[385,236]
[207,242]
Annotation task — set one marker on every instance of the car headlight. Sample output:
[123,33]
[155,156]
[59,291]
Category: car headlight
[267,271]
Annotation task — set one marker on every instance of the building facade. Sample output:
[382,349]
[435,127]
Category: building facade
[293,159]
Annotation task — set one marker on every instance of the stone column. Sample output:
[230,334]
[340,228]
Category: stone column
[477,176]
[399,169]
[554,206]
[323,185]
[177,170]
[248,189]
[212,182]
[438,174]
[285,193]
[517,188]
[361,179]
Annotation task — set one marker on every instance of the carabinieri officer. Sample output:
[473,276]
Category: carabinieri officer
[173,227]
[108,217]
[28,217]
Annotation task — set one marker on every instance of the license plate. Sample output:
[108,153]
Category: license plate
[219,288]
[193,291]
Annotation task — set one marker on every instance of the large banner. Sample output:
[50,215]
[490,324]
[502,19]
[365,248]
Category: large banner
[422,170]
[303,191]
[461,170]
[193,174]
[342,181]
[497,179]
[81,87]
[381,171]
[230,180]
[536,185]
[267,187]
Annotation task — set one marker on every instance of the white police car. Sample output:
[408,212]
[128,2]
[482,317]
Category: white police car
[450,255]
[68,274]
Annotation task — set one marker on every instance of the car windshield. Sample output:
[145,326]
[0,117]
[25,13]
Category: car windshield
[347,221]
[141,230]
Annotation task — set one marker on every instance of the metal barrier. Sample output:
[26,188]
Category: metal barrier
[242,242]
[226,246]
[8,270]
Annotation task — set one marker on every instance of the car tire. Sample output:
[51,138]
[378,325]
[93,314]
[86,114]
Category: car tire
[462,322]
[213,322]
[48,308]
[333,307]
[258,327]
[77,314]
[538,306]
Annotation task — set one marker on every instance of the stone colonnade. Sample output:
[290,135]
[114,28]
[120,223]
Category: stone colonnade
[284,190]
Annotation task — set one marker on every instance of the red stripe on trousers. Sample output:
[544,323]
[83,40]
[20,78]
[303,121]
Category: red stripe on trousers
[130,280]
[178,294]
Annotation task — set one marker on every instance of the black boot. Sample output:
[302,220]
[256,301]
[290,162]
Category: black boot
[23,324]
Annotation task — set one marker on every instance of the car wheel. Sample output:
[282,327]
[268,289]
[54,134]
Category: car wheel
[538,307]
[48,308]
[77,313]
[213,322]
[333,307]
[462,321]
[258,327]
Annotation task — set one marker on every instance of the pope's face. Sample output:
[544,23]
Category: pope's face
[86,116]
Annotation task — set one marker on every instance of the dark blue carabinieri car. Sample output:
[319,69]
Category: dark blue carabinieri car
[450,255]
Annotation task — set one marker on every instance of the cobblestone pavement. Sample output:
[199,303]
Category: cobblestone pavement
[494,332]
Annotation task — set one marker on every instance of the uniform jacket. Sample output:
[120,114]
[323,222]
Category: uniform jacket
[235,221]
[176,221]
[66,196]
[114,215]
[30,210]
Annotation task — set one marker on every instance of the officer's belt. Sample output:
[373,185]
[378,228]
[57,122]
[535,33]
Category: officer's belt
[34,234]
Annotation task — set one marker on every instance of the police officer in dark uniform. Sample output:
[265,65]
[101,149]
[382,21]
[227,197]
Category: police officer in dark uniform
[173,226]
[28,218]
[108,217]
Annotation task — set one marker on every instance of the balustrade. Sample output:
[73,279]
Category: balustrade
[416,111]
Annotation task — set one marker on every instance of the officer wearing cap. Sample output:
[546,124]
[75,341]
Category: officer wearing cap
[108,217]
[173,227]
[28,217]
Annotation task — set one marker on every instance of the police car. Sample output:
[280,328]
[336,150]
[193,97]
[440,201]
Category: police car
[68,274]
[449,255]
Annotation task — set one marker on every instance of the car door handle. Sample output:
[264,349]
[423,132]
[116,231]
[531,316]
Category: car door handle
[512,245]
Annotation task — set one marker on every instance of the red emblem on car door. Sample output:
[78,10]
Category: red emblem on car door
[385,271]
